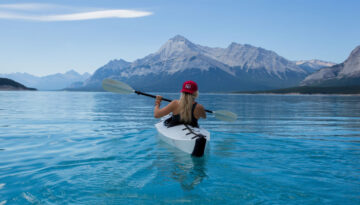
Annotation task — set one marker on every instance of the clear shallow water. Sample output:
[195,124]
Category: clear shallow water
[101,148]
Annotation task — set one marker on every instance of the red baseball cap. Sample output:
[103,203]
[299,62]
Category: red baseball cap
[189,87]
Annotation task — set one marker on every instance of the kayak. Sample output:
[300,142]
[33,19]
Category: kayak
[189,139]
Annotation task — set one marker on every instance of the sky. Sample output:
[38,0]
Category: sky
[47,37]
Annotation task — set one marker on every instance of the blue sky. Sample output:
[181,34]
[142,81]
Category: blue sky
[46,37]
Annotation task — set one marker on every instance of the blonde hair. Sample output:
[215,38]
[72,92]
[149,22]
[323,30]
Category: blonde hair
[186,102]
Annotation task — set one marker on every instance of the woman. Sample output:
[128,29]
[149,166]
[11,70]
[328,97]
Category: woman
[185,110]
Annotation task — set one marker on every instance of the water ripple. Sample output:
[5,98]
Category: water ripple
[102,148]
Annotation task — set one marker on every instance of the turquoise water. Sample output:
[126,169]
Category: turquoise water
[102,148]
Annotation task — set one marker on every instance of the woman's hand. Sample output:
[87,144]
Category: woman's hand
[158,100]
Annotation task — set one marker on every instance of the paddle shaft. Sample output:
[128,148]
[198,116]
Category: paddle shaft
[153,96]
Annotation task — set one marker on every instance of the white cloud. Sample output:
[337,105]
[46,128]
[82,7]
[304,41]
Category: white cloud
[78,16]
[32,6]
[98,15]
[6,12]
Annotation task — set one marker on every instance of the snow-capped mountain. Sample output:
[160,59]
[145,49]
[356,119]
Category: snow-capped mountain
[176,55]
[343,74]
[247,57]
[50,82]
[313,65]
[237,67]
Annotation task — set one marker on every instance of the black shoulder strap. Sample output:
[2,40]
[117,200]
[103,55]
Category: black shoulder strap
[193,108]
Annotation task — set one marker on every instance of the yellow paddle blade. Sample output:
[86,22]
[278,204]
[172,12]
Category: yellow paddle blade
[225,115]
[116,86]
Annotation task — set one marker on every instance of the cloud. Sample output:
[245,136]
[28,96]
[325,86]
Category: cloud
[74,16]
[31,6]
[78,16]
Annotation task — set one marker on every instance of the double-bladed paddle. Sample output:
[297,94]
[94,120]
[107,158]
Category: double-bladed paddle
[123,88]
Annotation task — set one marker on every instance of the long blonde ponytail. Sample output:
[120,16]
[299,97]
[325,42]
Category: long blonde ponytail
[186,102]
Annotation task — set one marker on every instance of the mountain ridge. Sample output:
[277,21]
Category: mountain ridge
[314,64]
[236,67]
[7,84]
[55,81]
[342,74]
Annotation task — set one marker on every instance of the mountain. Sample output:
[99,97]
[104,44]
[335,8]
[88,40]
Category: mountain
[313,65]
[8,84]
[50,82]
[23,78]
[237,67]
[110,70]
[59,81]
[343,74]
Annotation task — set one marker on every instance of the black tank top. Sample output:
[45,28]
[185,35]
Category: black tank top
[175,119]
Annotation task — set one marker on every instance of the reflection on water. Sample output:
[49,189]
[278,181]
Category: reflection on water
[187,170]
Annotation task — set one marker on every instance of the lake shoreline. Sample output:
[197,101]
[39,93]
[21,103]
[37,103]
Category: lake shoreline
[205,93]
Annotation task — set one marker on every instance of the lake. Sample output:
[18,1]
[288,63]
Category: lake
[102,148]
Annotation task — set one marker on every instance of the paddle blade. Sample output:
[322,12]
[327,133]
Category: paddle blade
[116,86]
[225,115]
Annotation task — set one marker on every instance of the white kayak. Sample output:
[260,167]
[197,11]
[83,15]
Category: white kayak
[189,139]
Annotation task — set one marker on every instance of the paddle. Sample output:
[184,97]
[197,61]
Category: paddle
[123,88]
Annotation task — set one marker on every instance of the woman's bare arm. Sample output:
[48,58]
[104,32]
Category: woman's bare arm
[165,110]
[200,111]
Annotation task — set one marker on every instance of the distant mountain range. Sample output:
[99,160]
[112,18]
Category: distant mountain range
[8,84]
[313,65]
[235,68]
[343,74]
[50,82]
[343,78]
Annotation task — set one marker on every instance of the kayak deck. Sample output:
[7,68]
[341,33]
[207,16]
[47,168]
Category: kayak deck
[186,138]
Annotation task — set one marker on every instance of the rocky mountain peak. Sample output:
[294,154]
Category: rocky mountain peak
[176,46]
[315,62]
[118,63]
[346,73]
[234,45]
[313,65]
[178,38]
[72,72]
[355,52]
[352,64]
